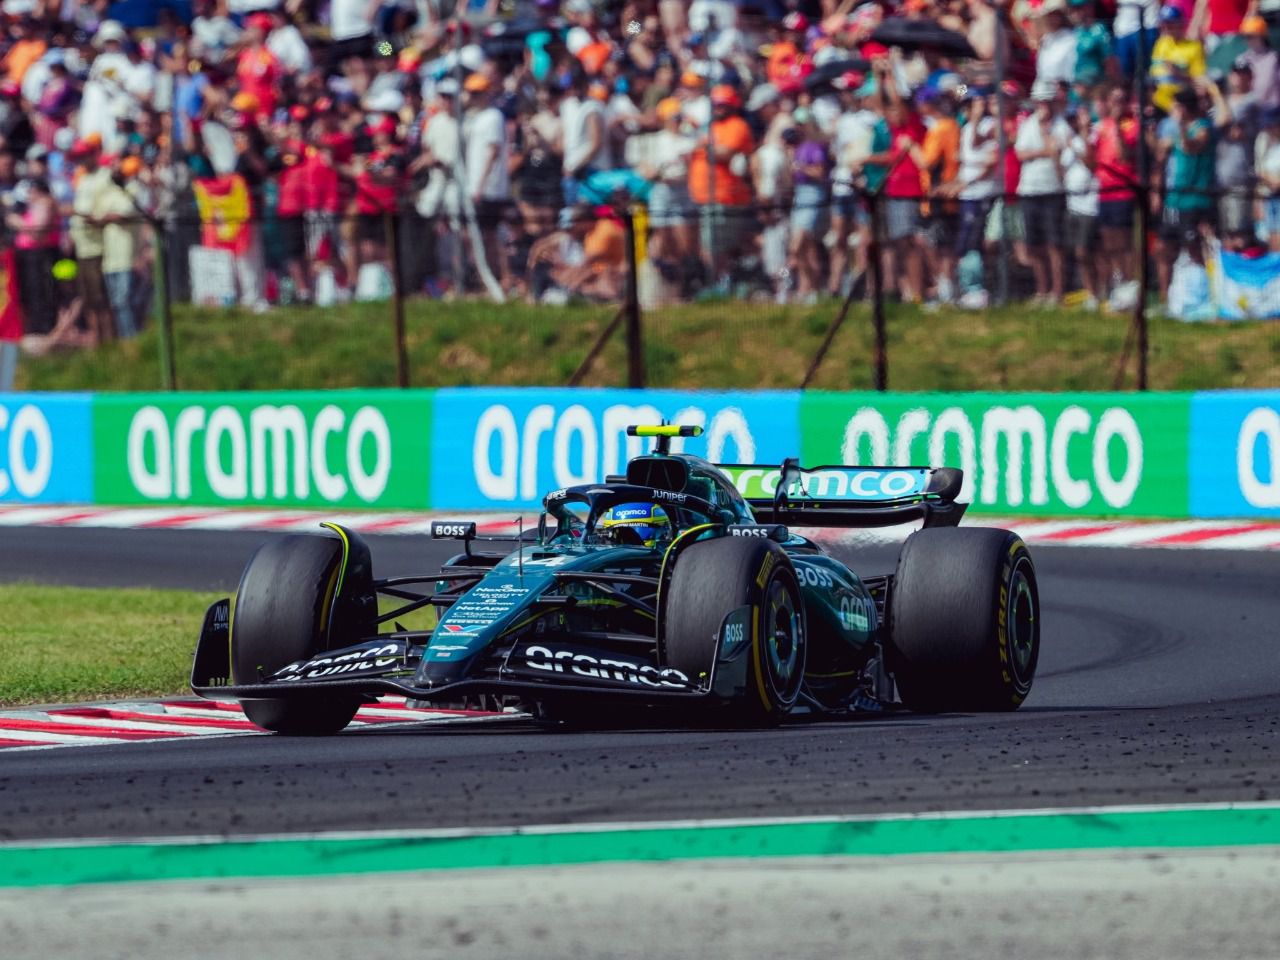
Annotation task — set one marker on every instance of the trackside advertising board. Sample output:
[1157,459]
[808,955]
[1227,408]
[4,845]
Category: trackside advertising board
[45,454]
[1235,455]
[1157,455]
[505,448]
[307,449]
[1038,454]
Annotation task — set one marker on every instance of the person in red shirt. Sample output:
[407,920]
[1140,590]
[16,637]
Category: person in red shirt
[1115,143]
[322,202]
[378,184]
[257,70]
[290,209]
[904,251]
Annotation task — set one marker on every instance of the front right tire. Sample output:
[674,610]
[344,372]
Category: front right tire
[711,579]
[281,615]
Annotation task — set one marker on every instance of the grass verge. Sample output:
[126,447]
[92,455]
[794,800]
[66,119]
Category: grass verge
[702,346]
[66,644]
[70,644]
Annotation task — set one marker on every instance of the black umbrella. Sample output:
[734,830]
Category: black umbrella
[837,68]
[922,35]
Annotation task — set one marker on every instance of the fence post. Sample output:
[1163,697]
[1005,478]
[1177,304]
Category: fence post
[391,225]
[631,305]
[875,280]
[168,371]
[1144,278]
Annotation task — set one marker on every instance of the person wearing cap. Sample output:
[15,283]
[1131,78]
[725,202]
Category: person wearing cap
[672,242]
[860,131]
[1262,61]
[487,165]
[439,156]
[1056,53]
[810,172]
[106,95]
[92,181]
[258,71]
[718,181]
[118,214]
[1176,60]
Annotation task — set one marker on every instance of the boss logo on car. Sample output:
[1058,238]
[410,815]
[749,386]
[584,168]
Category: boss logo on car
[440,531]
[599,668]
[813,576]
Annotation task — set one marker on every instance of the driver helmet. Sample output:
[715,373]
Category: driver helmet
[648,521]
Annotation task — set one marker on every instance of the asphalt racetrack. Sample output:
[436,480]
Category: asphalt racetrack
[1159,682]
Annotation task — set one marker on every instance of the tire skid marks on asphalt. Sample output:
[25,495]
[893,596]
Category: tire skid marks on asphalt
[97,724]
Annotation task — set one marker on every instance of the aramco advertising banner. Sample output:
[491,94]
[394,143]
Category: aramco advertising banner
[321,449]
[1037,454]
[505,448]
[45,453]
[1213,454]
[1235,455]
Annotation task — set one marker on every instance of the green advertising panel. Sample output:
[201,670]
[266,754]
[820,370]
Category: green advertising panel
[1037,454]
[306,449]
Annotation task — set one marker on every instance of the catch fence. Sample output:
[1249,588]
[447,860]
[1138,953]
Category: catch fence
[862,291]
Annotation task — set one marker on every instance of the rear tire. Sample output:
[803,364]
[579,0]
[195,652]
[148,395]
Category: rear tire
[282,611]
[964,620]
[711,579]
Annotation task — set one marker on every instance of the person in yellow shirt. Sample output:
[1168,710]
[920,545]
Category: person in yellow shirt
[1176,59]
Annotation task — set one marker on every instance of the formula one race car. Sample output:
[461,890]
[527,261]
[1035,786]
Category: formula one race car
[663,588]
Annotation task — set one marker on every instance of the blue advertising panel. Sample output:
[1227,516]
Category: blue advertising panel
[495,448]
[45,448]
[1235,454]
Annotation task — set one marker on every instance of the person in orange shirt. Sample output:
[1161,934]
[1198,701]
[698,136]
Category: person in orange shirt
[719,170]
[939,161]
[786,55]
[28,47]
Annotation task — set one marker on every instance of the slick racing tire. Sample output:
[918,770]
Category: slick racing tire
[283,603]
[964,620]
[711,579]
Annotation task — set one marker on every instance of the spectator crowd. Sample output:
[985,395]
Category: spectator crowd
[274,151]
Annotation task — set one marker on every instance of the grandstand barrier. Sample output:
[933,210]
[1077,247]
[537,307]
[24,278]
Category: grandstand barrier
[654,269]
[1174,455]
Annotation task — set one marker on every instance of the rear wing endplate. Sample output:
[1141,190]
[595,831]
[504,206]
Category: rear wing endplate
[845,496]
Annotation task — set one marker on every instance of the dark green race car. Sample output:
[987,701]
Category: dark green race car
[678,590]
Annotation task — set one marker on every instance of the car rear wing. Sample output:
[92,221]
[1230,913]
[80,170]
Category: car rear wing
[845,496]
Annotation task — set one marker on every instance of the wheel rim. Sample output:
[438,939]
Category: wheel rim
[1021,622]
[784,640]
